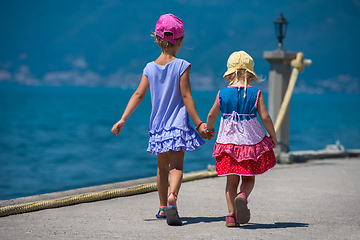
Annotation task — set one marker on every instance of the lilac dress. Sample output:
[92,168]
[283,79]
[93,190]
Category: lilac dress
[169,127]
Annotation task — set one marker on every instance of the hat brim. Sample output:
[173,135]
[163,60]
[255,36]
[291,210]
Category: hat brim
[232,70]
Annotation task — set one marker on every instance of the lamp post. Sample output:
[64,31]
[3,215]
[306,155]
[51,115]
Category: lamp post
[280,31]
[279,75]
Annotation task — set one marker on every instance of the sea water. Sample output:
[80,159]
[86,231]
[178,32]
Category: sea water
[58,138]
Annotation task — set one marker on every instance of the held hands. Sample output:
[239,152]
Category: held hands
[204,133]
[117,127]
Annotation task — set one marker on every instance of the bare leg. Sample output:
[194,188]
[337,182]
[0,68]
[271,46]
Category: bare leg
[247,184]
[176,160]
[241,210]
[232,184]
[162,178]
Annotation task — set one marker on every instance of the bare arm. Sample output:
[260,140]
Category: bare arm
[133,103]
[213,114]
[185,89]
[266,119]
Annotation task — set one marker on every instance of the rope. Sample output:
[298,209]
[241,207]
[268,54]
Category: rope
[298,65]
[96,196]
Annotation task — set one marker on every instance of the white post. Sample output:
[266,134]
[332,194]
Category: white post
[279,75]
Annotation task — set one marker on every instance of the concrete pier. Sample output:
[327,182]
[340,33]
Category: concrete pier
[316,199]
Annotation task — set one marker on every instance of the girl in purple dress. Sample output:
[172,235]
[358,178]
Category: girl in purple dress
[170,130]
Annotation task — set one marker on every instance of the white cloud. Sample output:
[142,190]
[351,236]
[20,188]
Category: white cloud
[5,75]
[77,62]
[22,56]
[302,87]
[23,76]
[80,75]
[343,83]
[123,80]
[80,63]
[73,77]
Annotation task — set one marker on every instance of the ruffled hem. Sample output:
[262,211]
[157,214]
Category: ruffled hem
[244,152]
[226,165]
[174,139]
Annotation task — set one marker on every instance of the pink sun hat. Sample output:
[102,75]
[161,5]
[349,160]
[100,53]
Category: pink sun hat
[171,24]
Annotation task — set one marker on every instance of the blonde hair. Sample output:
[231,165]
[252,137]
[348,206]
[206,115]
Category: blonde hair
[242,74]
[163,43]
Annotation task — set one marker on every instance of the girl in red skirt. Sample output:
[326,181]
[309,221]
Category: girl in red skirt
[241,148]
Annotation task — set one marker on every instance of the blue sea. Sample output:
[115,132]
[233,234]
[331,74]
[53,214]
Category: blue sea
[58,138]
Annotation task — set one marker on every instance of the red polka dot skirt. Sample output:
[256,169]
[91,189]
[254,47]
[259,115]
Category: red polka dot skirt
[226,165]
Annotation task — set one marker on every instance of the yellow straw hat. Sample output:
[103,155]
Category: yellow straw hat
[240,60]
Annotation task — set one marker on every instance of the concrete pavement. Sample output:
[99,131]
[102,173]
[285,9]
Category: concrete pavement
[318,199]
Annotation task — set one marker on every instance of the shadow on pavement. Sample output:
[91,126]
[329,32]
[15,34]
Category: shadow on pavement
[274,225]
[193,220]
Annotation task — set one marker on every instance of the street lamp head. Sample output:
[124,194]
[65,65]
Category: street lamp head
[280,30]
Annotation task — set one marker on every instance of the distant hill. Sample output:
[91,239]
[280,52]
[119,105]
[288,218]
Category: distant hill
[107,43]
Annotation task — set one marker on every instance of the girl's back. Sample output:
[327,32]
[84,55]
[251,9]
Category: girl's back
[170,131]
[168,108]
[231,99]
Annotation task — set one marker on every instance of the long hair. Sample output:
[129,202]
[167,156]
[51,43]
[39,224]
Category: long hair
[242,74]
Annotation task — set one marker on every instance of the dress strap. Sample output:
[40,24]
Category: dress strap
[236,116]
